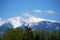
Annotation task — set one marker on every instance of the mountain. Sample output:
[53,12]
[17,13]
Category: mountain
[47,26]
[34,22]
[4,27]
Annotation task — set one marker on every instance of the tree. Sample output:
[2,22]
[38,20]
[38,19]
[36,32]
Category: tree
[36,34]
[58,35]
[28,34]
[42,34]
[13,34]
[0,38]
[39,35]
[52,35]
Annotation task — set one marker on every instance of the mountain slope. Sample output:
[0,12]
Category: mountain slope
[47,26]
[4,27]
[34,22]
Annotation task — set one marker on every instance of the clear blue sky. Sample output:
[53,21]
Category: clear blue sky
[12,8]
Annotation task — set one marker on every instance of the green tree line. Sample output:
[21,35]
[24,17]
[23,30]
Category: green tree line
[29,34]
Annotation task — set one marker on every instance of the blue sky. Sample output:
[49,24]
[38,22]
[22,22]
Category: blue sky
[48,9]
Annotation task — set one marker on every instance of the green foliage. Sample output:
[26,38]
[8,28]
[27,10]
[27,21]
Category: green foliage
[52,35]
[58,35]
[13,34]
[29,34]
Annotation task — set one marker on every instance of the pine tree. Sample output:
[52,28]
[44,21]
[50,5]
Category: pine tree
[13,34]
[52,35]
[28,34]
[58,35]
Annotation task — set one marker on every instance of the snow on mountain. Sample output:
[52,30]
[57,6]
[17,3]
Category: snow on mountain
[19,21]
[46,25]
[16,21]
[4,26]
[1,21]
[35,23]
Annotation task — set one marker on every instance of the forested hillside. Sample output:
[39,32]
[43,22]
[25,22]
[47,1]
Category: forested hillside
[29,34]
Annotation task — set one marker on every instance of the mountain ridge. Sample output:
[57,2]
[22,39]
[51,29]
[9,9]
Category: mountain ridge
[33,22]
[18,21]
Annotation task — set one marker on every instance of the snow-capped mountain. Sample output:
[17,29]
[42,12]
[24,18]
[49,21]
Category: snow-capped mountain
[4,27]
[47,26]
[34,22]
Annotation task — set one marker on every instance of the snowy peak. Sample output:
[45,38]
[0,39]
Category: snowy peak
[19,21]
[16,21]
[34,22]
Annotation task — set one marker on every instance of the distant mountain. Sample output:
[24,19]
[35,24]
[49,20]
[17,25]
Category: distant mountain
[46,25]
[33,22]
[4,27]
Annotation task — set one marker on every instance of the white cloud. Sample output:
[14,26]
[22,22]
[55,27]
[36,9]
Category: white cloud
[45,11]
[49,11]
[26,14]
[37,11]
